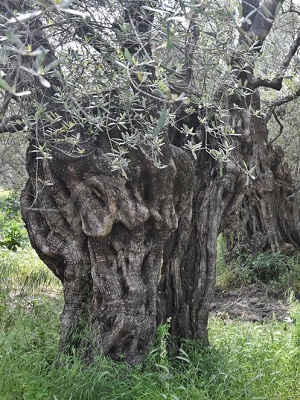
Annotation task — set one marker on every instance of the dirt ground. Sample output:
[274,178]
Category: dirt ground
[256,302]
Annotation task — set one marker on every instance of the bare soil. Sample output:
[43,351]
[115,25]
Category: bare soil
[256,302]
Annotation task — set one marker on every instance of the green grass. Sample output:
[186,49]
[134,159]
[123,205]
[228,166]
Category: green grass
[245,360]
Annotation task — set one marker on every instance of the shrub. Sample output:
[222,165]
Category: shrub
[267,267]
[263,267]
[12,231]
[13,235]
[11,206]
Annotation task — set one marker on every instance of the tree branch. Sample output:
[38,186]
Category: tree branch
[280,102]
[253,32]
[249,10]
[191,43]
[276,83]
[262,23]
[95,40]
[280,129]
[140,18]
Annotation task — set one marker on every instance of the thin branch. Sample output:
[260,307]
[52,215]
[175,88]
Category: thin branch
[280,129]
[249,10]
[280,102]
[189,52]
[262,24]
[276,83]
[95,40]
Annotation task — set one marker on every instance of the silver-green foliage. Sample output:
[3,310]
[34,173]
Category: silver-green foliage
[107,87]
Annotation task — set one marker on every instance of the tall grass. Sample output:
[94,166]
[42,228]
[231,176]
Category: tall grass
[245,360]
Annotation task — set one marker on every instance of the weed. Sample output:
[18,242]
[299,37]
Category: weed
[12,232]
[13,235]
[11,206]
[263,267]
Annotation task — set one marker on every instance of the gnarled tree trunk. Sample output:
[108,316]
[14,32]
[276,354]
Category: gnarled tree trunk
[269,214]
[103,235]
[188,274]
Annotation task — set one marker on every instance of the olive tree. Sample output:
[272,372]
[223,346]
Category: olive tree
[145,129]
[269,214]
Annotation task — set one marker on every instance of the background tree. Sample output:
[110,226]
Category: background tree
[12,165]
[145,125]
[269,216]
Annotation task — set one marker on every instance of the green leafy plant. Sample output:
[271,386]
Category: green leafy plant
[275,268]
[263,267]
[12,231]
[158,356]
[11,206]
[13,235]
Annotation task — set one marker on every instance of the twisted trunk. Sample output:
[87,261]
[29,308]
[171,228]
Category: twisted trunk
[103,236]
[190,258]
[188,273]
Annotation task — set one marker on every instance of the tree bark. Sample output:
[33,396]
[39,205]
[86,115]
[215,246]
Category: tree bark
[103,236]
[188,273]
